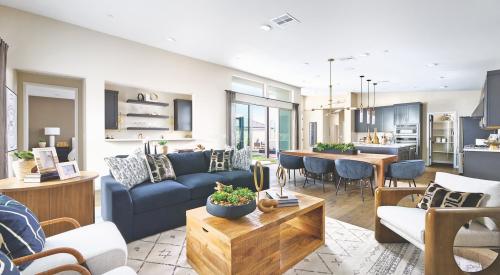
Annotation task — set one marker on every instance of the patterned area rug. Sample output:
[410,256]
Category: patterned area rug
[348,249]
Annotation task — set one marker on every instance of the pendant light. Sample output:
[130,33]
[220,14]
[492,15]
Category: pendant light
[361,113]
[330,100]
[368,111]
[373,107]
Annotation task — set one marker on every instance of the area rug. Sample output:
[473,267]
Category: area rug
[348,249]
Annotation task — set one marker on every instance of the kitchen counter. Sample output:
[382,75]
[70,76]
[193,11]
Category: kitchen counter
[394,145]
[481,150]
[403,151]
[481,163]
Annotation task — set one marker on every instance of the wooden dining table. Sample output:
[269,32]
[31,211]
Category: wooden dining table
[378,160]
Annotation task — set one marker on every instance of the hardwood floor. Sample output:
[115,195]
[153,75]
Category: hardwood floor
[348,207]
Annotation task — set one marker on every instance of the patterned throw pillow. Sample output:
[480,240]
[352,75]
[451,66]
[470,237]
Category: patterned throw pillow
[242,159]
[159,168]
[20,231]
[433,196]
[7,267]
[462,199]
[220,161]
[128,171]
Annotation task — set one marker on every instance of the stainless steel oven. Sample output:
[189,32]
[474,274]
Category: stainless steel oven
[410,135]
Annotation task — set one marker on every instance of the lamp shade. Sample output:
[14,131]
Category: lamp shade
[52,131]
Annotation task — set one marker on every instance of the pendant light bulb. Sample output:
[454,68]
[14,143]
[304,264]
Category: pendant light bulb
[373,107]
[361,112]
[369,112]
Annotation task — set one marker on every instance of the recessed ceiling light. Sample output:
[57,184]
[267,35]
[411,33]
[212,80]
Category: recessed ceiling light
[444,86]
[350,69]
[432,64]
[442,77]
[266,27]
[171,39]
[318,76]
[306,63]
[110,16]
[365,54]
[386,51]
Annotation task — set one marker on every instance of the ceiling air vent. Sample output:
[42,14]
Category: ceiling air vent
[285,20]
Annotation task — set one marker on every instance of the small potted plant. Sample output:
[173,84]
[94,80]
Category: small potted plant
[231,203]
[340,148]
[164,147]
[23,164]
[42,143]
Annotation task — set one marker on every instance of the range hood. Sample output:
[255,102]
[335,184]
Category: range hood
[479,111]
[488,108]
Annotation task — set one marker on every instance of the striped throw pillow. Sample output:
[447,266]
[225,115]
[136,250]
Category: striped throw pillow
[20,231]
[7,267]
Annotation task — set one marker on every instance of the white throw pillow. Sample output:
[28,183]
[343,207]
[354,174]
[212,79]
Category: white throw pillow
[242,159]
[128,171]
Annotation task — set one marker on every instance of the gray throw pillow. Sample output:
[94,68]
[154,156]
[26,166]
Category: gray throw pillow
[128,171]
[242,159]
[159,168]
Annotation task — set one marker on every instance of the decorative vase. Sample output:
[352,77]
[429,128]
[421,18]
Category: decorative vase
[230,212]
[369,138]
[42,144]
[375,137]
[22,167]
[164,149]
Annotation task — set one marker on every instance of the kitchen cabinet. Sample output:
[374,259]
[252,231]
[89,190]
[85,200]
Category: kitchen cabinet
[404,152]
[384,120]
[359,126]
[387,119]
[482,164]
[408,113]
[183,115]
[111,109]
[490,100]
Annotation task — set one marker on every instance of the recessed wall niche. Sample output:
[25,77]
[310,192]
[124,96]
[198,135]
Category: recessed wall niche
[133,114]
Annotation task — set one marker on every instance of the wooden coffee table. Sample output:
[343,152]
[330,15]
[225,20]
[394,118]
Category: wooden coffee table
[259,243]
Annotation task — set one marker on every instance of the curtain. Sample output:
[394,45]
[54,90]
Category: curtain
[230,100]
[3,109]
[296,120]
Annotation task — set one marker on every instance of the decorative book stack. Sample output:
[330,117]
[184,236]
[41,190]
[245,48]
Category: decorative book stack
[37,177]
[283,201]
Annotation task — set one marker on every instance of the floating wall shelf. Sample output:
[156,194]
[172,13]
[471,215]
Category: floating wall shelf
[147,115]
[147,102]
[148,128]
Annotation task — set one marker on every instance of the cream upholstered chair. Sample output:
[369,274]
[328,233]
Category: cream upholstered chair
[99,246]
[434,230]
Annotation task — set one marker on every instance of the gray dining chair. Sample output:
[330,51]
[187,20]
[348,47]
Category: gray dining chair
[407,170]
[318,166]
[290,162]
[353,170]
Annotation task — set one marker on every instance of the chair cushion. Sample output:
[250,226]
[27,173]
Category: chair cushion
[237,178]
[188,163]
[7,267]
[490,189]
[151,196]
[101,244]
[20,231]
[201,185]
[410,222]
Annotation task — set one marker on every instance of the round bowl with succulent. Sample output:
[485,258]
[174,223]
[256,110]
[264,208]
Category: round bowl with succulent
[231,203]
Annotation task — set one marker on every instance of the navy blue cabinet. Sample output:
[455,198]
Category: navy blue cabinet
[407,113]
[111,109]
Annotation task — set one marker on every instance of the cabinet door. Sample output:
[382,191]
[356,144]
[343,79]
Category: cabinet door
[183,115]
[379,118]
[357,127]
[399,116]
[111,109]
[414,113]
[388,119]
[360,127]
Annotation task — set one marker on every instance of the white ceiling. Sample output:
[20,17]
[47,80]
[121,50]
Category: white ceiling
[402,37]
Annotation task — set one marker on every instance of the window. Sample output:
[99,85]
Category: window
[278,93]
[246,86]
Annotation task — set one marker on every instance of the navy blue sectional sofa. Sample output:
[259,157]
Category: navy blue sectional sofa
[151,208]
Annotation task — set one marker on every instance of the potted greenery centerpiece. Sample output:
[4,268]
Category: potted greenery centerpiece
[231,203]
[333,148]
[164,147]
[24,163]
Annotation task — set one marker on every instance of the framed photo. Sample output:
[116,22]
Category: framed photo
[46,159]
[68,170]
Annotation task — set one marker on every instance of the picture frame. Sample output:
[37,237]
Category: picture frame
[46,159]
[68,170]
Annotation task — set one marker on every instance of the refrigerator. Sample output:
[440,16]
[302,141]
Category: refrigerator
[469,131]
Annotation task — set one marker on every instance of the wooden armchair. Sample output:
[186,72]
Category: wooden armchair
[440,224]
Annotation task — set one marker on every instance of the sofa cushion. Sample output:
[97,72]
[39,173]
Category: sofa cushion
[101,245]
[151,196]
[237,178]
[201,185]
[409,221]
[490,189]
[188,163]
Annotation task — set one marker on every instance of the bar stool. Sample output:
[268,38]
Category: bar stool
[353,170]
[405,170]
[290,162]
[318,166]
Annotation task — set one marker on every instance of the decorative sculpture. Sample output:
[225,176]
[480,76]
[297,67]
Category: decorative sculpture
[264,205]
[281,178]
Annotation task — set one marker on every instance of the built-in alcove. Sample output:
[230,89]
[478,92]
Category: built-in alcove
[134,114]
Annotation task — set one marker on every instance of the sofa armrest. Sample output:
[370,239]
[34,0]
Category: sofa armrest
[441,226]
[266,176]
[391,196]
[117,206]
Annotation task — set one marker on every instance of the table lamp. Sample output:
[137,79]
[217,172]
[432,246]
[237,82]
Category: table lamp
[52,132]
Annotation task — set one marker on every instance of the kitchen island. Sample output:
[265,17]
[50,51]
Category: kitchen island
[403,151]
[482,163]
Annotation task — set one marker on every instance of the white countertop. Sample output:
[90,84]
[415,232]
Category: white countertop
[481,150]
[395,145]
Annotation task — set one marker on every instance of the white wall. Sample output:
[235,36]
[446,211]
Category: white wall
[39,44]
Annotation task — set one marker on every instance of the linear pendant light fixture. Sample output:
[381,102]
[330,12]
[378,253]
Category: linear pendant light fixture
[373,107]
[361,105]
[368,111]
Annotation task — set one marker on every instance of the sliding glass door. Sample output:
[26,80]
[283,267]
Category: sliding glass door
[266,130]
